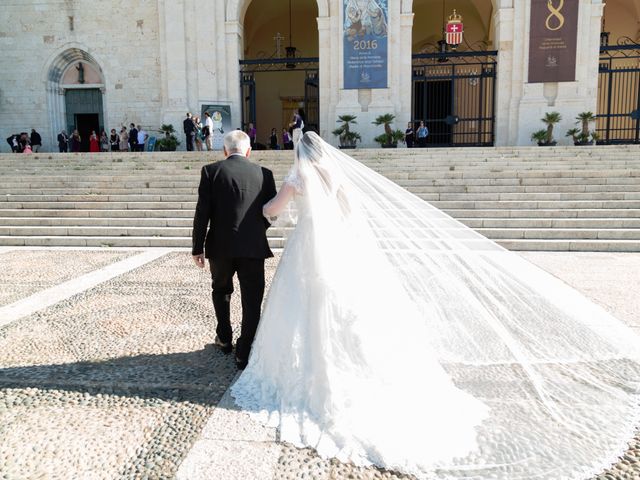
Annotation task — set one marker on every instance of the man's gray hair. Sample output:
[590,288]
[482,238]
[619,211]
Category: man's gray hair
[236,141]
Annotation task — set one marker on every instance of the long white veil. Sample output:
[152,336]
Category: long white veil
[560,375]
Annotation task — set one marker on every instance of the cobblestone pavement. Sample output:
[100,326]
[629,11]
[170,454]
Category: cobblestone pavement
[121,381]
[26,272]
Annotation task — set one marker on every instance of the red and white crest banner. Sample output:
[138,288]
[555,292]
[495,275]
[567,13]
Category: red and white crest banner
[454,29]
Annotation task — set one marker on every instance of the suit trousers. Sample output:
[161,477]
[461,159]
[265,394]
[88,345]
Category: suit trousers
[251,278]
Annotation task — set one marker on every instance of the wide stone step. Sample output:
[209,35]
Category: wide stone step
[276,243]
[543,213]
[70,241]
[560,233]
[428,196]
[79,213]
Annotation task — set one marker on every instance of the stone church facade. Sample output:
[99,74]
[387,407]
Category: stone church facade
[148,62]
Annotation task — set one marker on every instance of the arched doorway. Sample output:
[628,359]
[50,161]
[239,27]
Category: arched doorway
[453,88]
[618,115]
[279,69]
[75,94]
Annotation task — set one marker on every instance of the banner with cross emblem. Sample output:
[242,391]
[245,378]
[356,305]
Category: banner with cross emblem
[454,29]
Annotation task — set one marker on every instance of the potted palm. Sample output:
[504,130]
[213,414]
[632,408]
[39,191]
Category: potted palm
[347,137]
[170,142]
[390,137]
[544,138]
[583,136]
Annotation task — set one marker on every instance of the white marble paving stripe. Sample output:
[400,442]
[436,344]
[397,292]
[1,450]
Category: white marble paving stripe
[6,249]
[50,296]
[232,446]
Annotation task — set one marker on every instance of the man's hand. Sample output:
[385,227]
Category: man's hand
[199,260]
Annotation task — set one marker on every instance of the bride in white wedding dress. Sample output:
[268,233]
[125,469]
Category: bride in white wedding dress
[395,336]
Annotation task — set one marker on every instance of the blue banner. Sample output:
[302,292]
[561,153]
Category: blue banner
[365,43]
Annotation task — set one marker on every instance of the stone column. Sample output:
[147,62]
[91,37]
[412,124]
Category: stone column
[568,98]
[233,44]
[405,84]
[503,21]
[325,76]
[173,66]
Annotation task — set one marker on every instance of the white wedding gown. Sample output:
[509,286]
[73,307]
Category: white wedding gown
[393,335]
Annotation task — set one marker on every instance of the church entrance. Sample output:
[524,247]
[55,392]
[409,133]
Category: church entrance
[280,70]
[618,112]
[84,113]
[453,84]
[257,78]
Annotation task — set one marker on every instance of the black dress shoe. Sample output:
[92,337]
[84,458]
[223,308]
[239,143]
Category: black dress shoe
[224,347]
[241,364]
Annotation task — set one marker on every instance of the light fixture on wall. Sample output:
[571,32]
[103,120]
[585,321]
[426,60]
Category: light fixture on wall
[291,50]
[604,36]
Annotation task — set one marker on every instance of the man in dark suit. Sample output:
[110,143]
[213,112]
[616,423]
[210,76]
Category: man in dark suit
[189,127]
[63,141]
[133,137]
[231,195]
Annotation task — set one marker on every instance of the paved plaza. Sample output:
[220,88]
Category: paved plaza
[107,369]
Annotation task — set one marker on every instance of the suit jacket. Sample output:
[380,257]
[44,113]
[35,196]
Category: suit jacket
[133,136]
[231,195]
[189,126]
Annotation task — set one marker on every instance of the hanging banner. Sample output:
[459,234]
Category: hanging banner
[365,43]
[553,41]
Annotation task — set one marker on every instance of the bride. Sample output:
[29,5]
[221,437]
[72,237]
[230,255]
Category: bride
[393,335]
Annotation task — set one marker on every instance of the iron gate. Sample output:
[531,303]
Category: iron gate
[248,69]
[618,119]
[454,94]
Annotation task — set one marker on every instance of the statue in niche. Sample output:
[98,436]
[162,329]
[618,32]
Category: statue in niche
[80,69]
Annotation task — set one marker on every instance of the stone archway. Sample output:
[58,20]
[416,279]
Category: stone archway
[235,12]
[70,94]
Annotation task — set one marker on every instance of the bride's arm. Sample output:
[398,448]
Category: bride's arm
[278,203]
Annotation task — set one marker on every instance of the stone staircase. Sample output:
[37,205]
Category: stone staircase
[525,198]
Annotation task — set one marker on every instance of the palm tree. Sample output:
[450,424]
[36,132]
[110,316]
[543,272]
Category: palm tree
[585,118]
[387,137]
[550,119]
[346,136]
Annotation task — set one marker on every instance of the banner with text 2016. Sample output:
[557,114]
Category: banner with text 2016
[365,43]
[553,41]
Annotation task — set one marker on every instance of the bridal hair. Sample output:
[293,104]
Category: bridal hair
[236,141]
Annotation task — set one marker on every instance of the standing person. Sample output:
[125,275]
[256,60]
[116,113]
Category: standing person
[124,139]
[189,128]
[207,131]
[251,131]
[496,369]
[76,142]
[422,134]
[14,143]
[409,135]
[36,141]
[94,145]
[142,138]
[63,142]
[199,138]
[230,199]
[287,143]
[297,124]
[133,138]
[273,140]
[114,141]
[104,142]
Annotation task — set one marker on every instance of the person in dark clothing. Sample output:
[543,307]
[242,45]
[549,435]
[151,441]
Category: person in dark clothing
[36,141]
[230,230]
[63,142]
[409,135]
[190,131]
[14,143]
[133,137]
[273,140]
